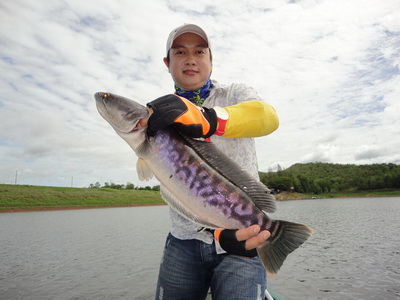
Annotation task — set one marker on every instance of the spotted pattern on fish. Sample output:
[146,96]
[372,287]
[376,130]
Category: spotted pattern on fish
[210,186]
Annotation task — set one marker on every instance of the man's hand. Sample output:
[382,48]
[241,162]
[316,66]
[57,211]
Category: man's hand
[242,242]
[189,119]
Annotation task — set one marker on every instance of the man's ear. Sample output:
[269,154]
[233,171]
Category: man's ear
[166,62]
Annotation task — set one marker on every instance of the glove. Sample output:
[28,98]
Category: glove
[188,118]
[228,241]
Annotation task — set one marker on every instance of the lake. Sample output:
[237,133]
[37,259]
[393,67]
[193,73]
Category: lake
[115,253]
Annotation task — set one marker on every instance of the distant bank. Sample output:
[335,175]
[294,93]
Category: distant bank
[32,198]
[17,198]
[297,196]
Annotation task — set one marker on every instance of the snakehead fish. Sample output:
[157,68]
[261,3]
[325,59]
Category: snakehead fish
[201,183]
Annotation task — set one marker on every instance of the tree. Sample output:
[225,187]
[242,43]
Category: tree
[281,183]
[129,186]
[304,184]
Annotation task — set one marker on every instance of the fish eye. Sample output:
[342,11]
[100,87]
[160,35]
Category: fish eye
[105,96]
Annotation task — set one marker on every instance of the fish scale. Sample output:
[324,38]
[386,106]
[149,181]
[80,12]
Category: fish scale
[213,189]
[202,183]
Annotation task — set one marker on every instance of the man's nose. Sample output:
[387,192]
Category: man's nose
[190,60]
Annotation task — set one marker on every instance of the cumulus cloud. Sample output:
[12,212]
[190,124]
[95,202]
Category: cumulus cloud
[369,152]
[331,70]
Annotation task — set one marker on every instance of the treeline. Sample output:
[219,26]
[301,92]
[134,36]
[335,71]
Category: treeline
[325,177]
[128,186]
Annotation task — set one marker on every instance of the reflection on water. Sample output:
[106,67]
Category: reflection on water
[115,253]
[354,253]
[82,254]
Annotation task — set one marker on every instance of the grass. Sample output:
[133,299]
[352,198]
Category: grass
[27,197]
[361,194]
[24,197]
[297,196]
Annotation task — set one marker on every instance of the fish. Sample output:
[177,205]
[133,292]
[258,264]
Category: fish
[200,182]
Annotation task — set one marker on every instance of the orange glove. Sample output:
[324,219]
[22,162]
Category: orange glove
[188,118]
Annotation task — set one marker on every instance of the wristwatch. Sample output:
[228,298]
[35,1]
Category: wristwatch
[222,118]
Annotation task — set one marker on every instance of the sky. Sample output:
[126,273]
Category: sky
[329,68]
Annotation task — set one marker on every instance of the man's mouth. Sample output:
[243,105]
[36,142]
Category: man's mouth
[190,72]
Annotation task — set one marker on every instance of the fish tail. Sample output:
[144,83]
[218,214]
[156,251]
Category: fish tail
[285,238]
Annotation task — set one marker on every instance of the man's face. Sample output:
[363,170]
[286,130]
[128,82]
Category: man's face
[189,61]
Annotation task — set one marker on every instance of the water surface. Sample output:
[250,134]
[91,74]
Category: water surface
[354,253]
[82,254]
[115,253]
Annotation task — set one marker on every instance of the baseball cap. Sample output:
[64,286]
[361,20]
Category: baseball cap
[186,28]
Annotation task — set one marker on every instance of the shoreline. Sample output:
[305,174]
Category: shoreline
[285,196]
[282,198]
[17,210]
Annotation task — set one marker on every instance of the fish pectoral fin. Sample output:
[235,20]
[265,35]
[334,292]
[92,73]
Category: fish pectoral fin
[183,210]
[143,170]
[143,149]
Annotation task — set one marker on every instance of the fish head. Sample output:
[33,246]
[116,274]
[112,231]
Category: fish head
[124,115]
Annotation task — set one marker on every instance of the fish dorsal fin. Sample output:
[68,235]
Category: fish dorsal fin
[143,171]
[256,190]
[181,209]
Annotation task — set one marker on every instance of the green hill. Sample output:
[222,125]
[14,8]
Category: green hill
[325,177]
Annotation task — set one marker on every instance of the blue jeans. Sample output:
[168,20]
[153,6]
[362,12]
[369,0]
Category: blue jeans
[190,267]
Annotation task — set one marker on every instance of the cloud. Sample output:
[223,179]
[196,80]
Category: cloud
[369,152]
[331,70]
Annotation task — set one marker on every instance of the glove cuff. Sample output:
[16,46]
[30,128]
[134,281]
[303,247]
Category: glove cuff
[228,241]
[211,116]
[222,119]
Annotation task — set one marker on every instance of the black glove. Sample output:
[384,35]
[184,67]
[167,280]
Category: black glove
[188,118]
[228,241]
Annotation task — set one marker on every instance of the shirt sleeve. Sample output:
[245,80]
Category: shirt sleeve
[252,118]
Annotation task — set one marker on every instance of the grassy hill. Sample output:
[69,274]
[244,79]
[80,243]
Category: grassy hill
[24,197]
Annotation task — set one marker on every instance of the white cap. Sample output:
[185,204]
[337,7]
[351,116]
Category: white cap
[186,28]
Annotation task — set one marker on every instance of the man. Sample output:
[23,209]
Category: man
[230,116]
